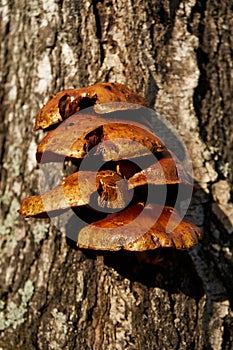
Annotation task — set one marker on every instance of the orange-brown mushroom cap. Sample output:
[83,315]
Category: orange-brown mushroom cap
[67,102]
[165,171]
[140,228]
[77,190]
[114,140]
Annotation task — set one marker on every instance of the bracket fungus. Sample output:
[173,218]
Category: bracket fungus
[114,140]
[122,183]
[67,102]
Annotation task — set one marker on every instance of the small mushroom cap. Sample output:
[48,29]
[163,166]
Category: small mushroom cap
[140,228]
[115,140]
[165,171]
[77,190]
[67,102]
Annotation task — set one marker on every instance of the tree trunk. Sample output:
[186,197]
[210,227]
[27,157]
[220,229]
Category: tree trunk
[178,54]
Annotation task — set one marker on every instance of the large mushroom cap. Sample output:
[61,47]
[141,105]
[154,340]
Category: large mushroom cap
[67,102]
[114,140]
[140,228]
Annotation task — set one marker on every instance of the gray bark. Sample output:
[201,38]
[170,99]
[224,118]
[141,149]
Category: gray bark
[178,54]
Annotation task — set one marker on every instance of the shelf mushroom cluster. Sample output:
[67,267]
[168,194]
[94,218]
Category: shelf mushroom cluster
[134,164]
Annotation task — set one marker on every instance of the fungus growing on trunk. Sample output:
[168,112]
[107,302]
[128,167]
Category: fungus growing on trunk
[114,140]
[135,162]
[65,103]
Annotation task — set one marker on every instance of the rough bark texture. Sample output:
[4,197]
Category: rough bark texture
[178,54]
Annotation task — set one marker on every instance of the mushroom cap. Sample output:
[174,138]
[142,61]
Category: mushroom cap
[140,228]
[67,102]
[114,139]
[167,170]
[69,139]
[76,190]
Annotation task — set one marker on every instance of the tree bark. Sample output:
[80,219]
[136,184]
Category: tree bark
[178,54]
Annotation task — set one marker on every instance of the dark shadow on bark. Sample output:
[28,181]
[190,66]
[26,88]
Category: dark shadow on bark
[169,269]
[222,263]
